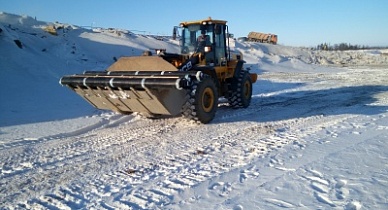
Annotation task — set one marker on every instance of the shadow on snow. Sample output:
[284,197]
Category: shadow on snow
[360,100]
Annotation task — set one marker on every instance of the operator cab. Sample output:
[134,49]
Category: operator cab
[207,37]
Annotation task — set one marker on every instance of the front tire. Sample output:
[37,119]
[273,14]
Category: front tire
[202,102]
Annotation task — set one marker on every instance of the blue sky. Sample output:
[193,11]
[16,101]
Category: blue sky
[297,22]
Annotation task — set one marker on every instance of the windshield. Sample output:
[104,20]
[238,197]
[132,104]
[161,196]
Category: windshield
[190,35]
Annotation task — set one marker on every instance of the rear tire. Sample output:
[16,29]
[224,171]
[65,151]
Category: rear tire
[202,101]
[241,93]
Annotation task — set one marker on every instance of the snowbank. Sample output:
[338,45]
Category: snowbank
[30,72]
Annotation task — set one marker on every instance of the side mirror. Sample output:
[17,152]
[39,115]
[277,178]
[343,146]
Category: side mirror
[174,33]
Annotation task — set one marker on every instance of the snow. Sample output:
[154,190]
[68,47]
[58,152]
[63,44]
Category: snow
[314,137]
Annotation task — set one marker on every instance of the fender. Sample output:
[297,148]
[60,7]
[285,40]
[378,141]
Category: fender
[238,68]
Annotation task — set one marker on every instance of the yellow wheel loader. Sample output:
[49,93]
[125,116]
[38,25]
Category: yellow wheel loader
[167,84]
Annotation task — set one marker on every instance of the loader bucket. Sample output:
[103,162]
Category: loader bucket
[146,84]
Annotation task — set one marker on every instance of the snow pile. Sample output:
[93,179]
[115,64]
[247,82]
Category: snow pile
[32,61]
[314,137]
[277,54]
[351,57]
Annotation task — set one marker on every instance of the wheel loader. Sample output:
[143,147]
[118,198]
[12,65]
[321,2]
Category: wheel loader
[160,84]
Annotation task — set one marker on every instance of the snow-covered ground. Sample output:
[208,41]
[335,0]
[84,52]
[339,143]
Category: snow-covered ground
[314,137]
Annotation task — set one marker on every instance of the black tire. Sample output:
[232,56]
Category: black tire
[202,101]
[241,93]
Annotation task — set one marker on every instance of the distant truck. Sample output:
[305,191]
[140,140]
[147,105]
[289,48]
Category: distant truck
[262,37]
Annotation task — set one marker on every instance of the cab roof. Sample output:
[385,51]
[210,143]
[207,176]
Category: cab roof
[207,21]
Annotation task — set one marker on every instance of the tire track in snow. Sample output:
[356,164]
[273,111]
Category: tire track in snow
[187,169]
[41,163]
[293,133]
[147,174]
[109,121]
[179,172]
[209,167]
